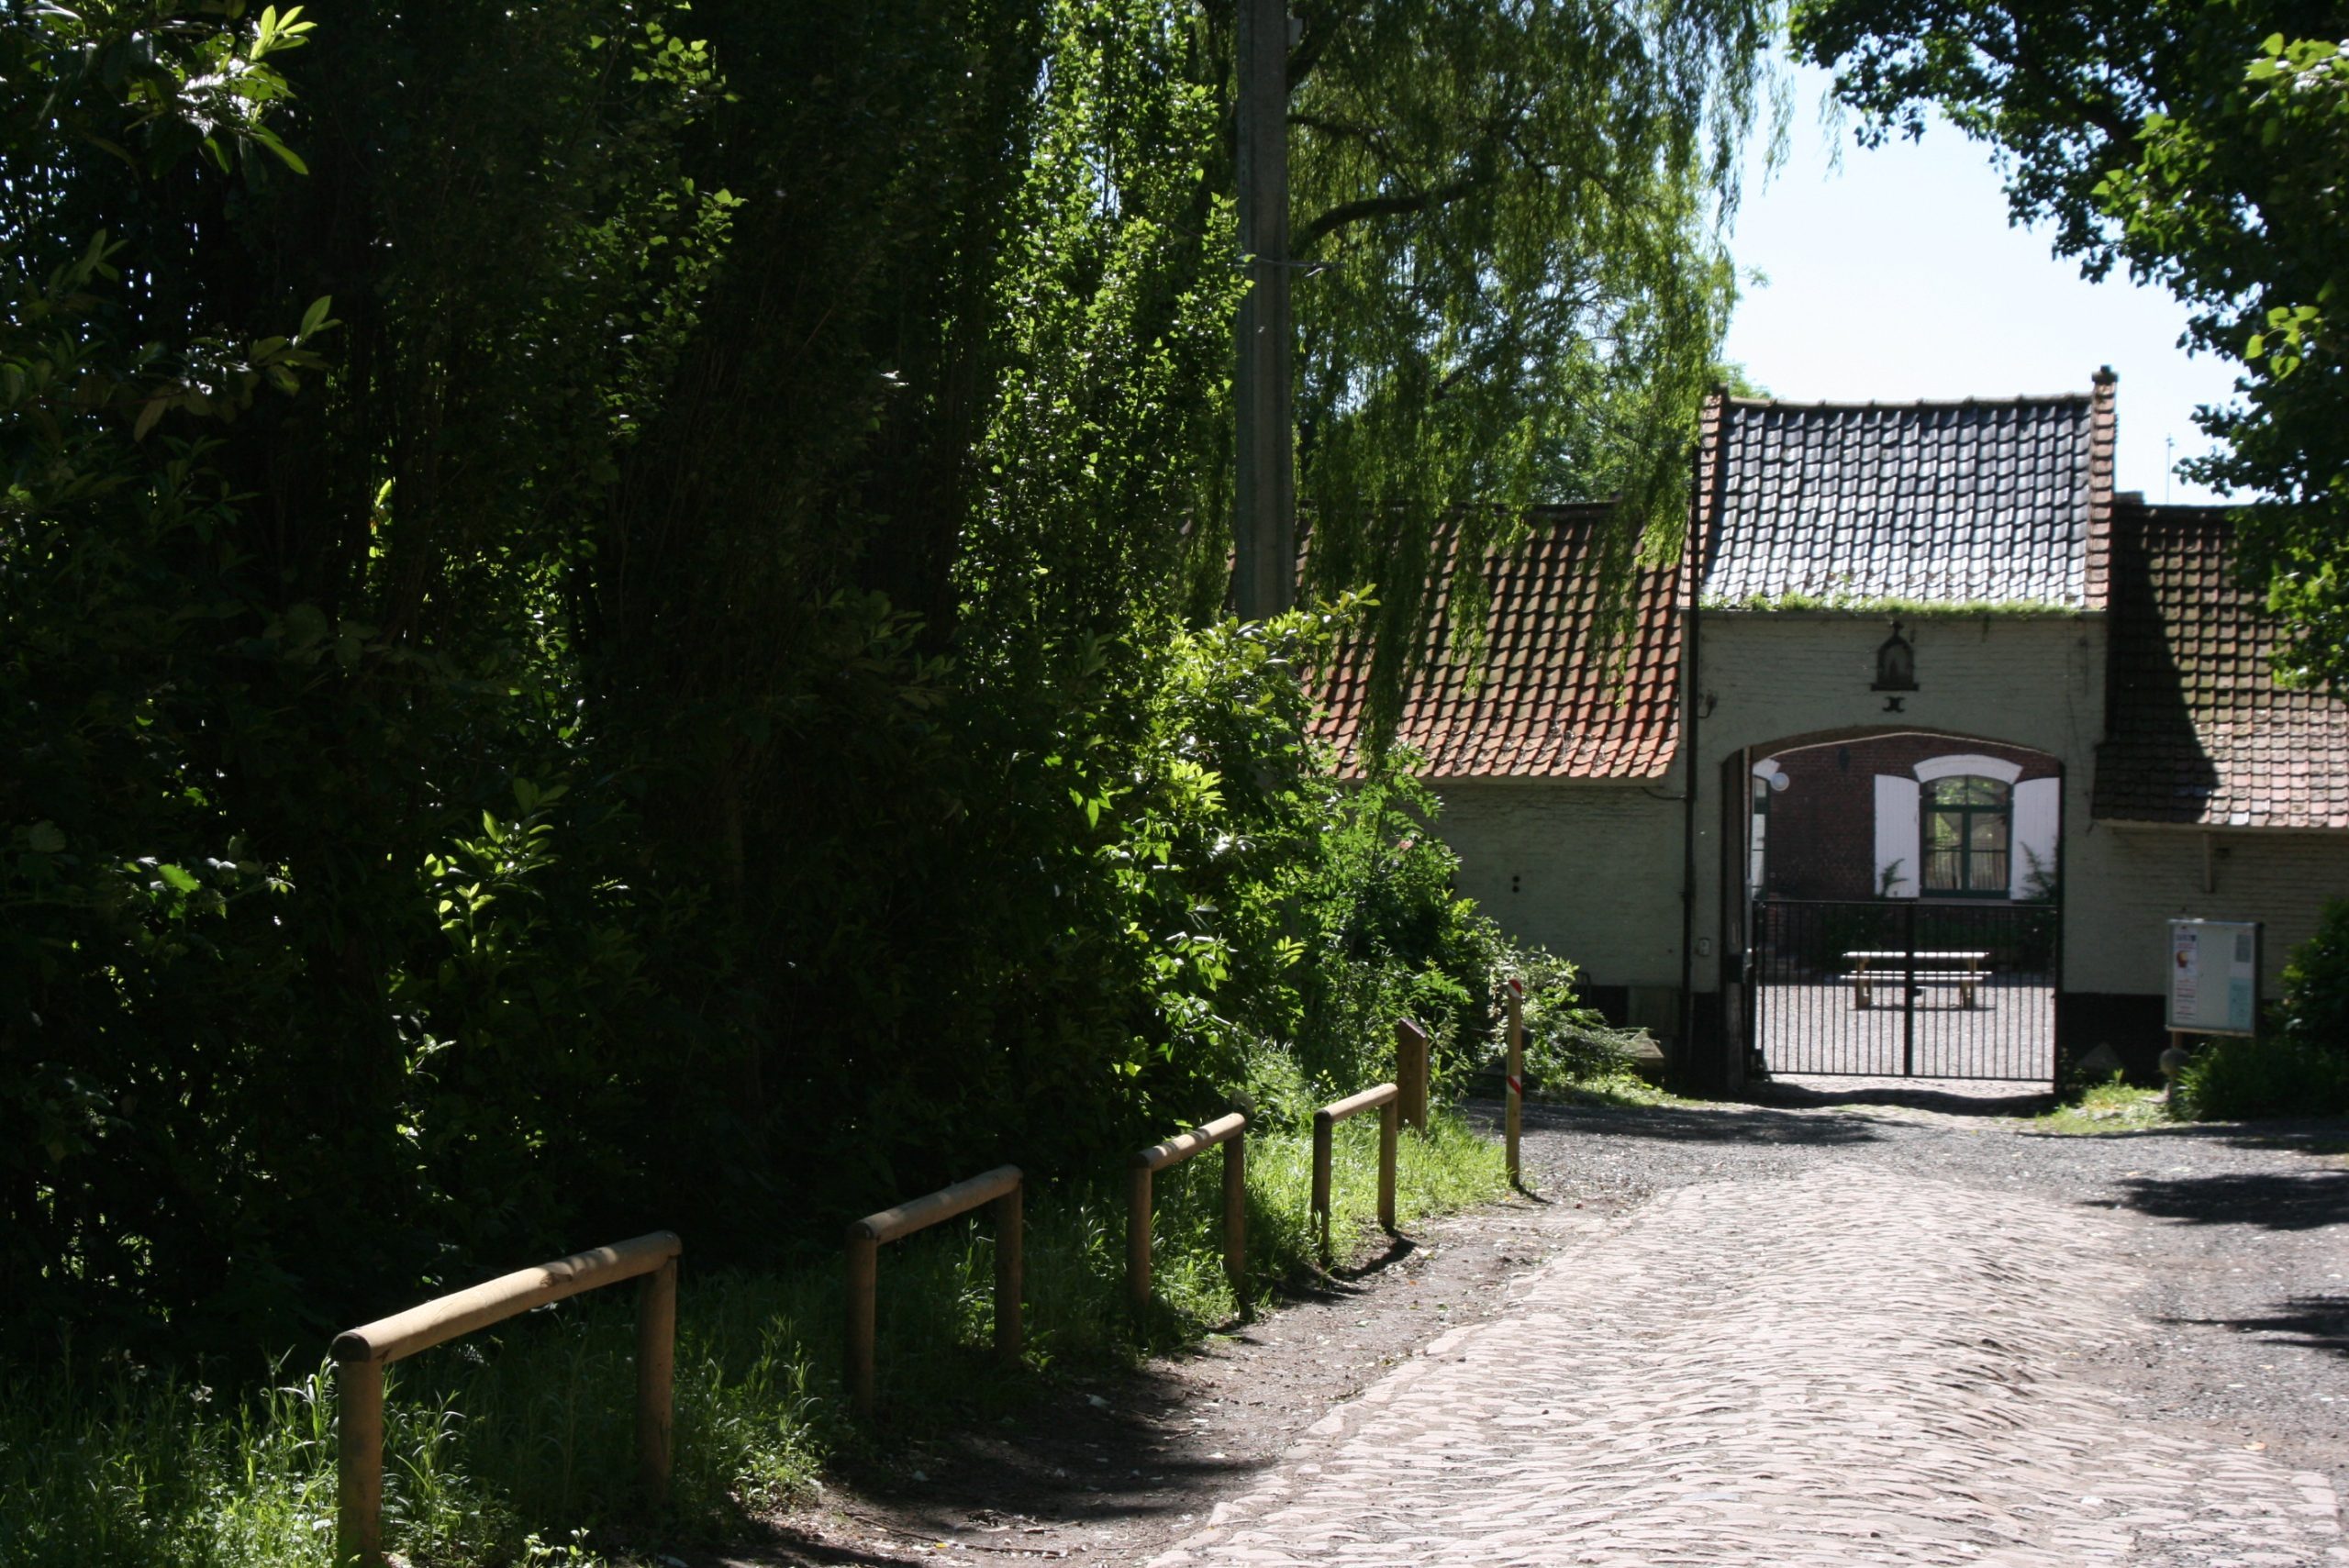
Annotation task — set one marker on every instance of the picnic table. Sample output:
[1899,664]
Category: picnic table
[1938,967]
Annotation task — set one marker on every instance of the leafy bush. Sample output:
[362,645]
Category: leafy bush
[1565,1043]
[2314,1009]
[2238,1080]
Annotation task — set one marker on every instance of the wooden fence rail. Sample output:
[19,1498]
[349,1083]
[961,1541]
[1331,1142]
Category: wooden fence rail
[1232,1132]
[1001,1187]
[1386,1098]
[361,1355]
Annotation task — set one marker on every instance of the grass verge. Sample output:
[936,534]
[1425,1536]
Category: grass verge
[2110,1105]
[516,1445]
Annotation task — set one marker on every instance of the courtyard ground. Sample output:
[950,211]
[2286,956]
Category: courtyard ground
[1867,1323]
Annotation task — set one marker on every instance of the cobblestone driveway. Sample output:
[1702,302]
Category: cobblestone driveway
[1839,1364]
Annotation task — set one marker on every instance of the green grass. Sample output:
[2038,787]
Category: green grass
[522,1435]
[2107,1107]
[1621,1089]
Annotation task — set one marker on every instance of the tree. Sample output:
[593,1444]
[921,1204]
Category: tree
[1510,216]
[589,585]
[2204,147]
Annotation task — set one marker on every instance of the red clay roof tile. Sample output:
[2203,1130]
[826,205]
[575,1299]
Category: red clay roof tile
[2197,730]
[1553,700]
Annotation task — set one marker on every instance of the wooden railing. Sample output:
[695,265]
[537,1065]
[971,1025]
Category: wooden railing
[1230,1131]
[1000,1187]
[361,1355]
[1386,1098]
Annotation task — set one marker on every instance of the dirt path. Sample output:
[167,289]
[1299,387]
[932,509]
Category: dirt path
[1819,1333]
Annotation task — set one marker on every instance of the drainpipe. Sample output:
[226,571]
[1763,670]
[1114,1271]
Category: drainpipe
[1693,665]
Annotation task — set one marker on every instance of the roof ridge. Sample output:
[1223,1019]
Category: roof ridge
[2021,400]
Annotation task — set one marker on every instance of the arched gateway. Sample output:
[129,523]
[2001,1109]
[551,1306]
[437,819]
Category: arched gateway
[1902,905]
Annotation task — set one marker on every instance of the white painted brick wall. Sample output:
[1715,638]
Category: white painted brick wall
[1597,870]
[2139,877]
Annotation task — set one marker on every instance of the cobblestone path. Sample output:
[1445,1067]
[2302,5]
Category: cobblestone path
[1842,1366]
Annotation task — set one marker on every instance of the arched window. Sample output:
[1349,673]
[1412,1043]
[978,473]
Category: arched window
[1967,832]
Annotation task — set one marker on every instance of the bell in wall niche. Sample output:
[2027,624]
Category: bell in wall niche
[1896,663]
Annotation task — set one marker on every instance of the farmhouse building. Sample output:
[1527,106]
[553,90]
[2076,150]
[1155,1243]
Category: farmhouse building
[1904,764]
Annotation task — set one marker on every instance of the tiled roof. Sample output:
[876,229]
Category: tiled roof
[1555,701]
[1952,502]
[2199,731]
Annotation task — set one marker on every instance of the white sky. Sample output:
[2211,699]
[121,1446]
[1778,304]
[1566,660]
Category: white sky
[1896,277]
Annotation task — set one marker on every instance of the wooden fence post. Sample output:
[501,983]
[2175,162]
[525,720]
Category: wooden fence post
[1411,1071]
[1138,1212]
[361,1355]
[1513,1121]
[359,1463]
[1010,1239]
[1323,1130]
[1389,1123]
[999,1189]
[864,1279]
[1385,1098]
[1235,1219]
[656,1364]
[1229,1129]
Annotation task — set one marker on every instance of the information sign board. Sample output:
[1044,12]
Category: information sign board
[2214,976]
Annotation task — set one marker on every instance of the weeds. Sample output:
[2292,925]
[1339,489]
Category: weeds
[516,1445]
[2106,1105]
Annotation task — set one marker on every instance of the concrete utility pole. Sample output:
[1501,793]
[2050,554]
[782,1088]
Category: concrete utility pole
[1264,513]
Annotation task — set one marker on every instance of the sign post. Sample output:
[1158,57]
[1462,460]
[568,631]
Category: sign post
[2210,984]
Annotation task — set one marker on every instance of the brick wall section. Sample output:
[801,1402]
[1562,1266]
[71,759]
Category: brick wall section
[1821,838]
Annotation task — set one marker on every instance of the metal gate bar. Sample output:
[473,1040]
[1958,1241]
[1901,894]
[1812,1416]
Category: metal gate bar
[1904,988]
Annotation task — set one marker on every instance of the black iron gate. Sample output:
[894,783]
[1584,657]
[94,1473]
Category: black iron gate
[1898,988]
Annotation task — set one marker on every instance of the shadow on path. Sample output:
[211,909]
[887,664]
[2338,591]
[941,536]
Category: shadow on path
[1948,1096]
[1723,1123]
[2297,1200]
[2317,1322]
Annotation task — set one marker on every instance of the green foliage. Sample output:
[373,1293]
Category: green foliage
[2200,146]
[2314,1009]
[603,603]
[1567,1043]
[2244,1080]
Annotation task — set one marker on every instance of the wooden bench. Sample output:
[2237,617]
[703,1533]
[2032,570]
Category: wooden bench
[1893,967]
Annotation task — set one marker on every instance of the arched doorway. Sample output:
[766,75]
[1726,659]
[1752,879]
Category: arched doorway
[1902,900]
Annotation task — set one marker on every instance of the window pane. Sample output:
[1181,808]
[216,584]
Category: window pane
[1944,870]
[1942,830]
[1987,830]
[1988,873]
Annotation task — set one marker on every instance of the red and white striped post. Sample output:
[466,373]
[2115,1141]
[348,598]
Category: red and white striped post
[1513,1122]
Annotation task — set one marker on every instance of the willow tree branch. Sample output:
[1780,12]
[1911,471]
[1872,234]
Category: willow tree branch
[1346,213]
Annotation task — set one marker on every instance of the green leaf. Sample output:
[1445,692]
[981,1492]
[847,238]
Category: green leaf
[270,140]
[179,877]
